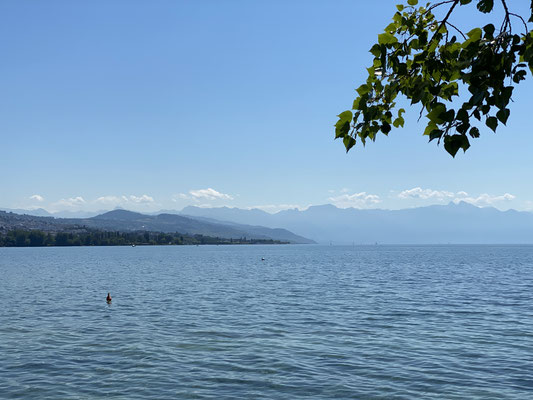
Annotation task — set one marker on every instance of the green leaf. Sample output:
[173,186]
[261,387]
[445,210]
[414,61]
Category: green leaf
[485,6]
[412,2]
[376,50]
[398,122]
[489,31]
[503,115]
[391,27]
[463,128]
[474,132]
[492,123]
[478,97]
[345,116]
[519,76]
[430,128]
[452,143]
[462,115]
[342,127]
[363,89]
[448,116]
[435,134]
[474,34]
[437,113]
[349,142]
[387,38]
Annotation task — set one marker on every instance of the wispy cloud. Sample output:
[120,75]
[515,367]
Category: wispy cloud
[274,208]
[69,203]
[357,200]
[424,194]
[124,200]
[485,199]
[141,199]
[482,200]
[201,195]
[37,197]
[111,200]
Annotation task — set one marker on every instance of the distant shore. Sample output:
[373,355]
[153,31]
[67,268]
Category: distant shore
[37,238]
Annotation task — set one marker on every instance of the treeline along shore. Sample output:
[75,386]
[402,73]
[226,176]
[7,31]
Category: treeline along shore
[37,238]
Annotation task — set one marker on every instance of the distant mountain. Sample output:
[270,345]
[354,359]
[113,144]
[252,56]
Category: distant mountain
[255,230]
[128,220]
[76,214]
[41,212]
[10,221]
[38,212]
[235,215]
[123,220]
[452,223]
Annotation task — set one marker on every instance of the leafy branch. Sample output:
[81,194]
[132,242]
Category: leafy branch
[416,57]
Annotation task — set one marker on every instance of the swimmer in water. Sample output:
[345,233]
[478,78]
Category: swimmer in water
[108,298]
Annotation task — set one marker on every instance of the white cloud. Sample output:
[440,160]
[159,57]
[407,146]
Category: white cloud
[274,208]
[202,195]
[485,199]
[424,194]
[37,197]
[357,200]
[111,200]
[141,199]
[209,194]
[71,202]
[123,200]
[180,196]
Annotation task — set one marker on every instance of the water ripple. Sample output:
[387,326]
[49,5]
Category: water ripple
[375,322]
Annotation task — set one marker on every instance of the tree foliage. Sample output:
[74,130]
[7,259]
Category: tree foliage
[430,62]
[37,238]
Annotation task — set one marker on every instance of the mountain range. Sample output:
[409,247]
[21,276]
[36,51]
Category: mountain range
[124,221]
[41,212]
[461,223]
[451,223]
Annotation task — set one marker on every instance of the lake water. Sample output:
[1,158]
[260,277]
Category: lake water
[216,322]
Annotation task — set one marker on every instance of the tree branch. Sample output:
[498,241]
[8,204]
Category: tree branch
[457,29]
[506,20]
[523,21]
[443,22]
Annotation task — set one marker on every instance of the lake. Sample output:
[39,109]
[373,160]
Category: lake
[310,321]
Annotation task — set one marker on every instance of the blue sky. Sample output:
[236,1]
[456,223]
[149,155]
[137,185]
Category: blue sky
[157,105]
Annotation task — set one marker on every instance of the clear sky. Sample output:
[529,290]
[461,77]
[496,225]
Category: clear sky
[152,105]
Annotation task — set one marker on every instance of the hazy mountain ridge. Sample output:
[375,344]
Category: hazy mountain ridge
[41,212]
[10,221]
[451,223]
[123,220]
